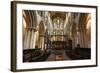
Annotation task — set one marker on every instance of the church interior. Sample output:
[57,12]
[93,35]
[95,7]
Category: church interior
[55,36]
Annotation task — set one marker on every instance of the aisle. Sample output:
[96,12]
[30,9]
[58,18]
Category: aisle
[52,56]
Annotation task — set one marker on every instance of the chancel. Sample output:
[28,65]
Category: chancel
[56,36]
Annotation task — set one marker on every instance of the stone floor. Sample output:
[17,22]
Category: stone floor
[53,56]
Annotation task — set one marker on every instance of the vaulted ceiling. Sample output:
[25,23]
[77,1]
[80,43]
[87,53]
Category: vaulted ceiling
[53,20]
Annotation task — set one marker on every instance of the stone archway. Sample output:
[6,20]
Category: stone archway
[40,36]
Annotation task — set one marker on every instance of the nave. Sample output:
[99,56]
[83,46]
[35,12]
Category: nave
[56,36]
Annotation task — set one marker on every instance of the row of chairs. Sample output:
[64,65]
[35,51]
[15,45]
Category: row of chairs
[34,55]
[79,53]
